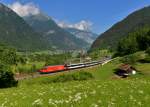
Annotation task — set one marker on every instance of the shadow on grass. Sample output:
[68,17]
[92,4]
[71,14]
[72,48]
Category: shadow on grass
[144,61]
[120,73]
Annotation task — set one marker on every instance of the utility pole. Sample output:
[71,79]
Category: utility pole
[81,55]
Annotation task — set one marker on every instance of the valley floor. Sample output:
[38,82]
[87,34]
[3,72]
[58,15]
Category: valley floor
[105,90]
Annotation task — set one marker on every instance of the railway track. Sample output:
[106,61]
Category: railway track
[71,67]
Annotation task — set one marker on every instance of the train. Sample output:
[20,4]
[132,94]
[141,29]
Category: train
[58,68]
[52,69]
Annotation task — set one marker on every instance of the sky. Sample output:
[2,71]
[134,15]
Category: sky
[96,15]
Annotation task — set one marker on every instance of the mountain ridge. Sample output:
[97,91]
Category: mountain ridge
[56,36]
[17,33]
[133,21]
[86,36]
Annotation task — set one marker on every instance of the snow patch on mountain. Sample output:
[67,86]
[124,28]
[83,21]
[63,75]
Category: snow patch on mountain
[82,25]
[86,36]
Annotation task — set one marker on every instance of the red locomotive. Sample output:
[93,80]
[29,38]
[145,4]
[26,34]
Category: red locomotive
[51,69]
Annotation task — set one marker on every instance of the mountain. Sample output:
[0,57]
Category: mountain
[84,35]
[57,37]
[16,32]
[134,21]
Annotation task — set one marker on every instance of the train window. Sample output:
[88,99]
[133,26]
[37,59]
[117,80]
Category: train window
[65,65]
[45,68]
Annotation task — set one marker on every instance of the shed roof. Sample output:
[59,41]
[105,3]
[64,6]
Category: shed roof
[125,67]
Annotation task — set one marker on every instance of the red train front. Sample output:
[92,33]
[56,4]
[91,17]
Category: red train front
[51,69]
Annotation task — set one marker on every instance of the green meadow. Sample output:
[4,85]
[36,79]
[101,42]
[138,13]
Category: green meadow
[104,90]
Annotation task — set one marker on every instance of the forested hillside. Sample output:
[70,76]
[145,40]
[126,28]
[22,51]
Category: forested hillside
[110,38]
[138,40]
[16,32]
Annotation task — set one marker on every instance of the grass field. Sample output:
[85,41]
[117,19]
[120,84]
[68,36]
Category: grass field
[102,91]
[92,93]
[144,68]
[28,68]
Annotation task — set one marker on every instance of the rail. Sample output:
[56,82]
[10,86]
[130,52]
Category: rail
[71,67]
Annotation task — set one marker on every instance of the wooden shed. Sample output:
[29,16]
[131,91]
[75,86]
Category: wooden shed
[126,70]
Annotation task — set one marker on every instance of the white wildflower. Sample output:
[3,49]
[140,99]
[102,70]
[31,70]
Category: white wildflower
[59,101]
[94,105]
[131,97]
[3,104]
[67,101]
[140,91]
[77,97]
[140,103]
[93,92]
[51,102]
[99,101]
[38,102]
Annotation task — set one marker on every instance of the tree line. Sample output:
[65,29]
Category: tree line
[138,40]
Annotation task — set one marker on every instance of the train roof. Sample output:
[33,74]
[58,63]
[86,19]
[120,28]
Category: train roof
[52,66]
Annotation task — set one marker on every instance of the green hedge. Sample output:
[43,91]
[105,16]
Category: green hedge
[78,76]
[148,51]
[7,79]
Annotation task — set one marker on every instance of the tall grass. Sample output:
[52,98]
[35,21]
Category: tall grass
[28,68]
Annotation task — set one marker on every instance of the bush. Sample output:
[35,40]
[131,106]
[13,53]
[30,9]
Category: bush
[82,76]
[73,77]
[130,59]
[79,76]
[7,79]
[148,51]
[63,78]
[147,59]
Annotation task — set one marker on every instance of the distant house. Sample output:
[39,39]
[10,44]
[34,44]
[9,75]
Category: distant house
[88,58]
[125,70]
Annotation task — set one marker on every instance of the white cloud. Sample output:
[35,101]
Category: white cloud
[82,25]
[24,9]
